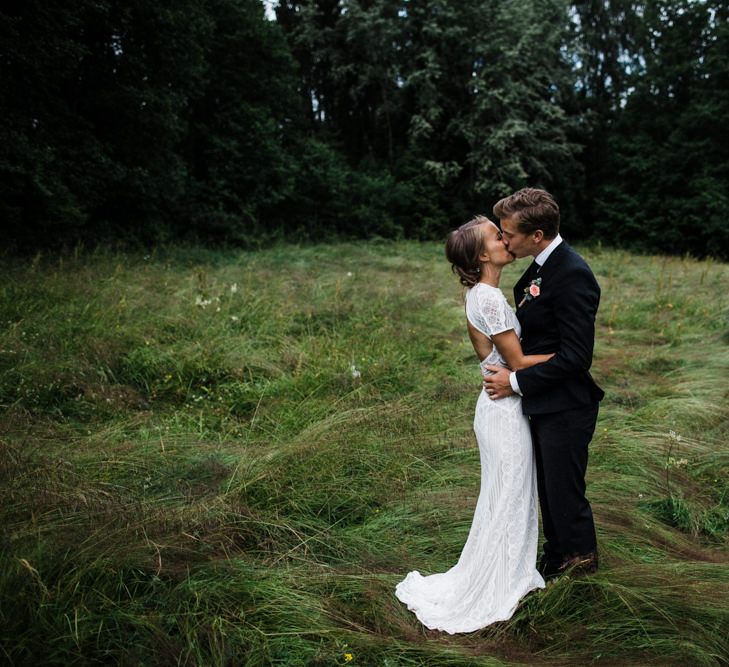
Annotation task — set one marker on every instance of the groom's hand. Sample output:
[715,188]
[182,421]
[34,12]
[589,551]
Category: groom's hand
[498,385]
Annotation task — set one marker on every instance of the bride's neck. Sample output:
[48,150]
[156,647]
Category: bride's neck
[490,274]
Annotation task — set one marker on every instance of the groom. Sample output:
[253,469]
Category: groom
[557,299]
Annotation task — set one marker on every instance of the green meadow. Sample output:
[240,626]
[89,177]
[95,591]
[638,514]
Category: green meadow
[231,458]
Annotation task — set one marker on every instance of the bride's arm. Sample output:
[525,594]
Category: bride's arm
[509,347]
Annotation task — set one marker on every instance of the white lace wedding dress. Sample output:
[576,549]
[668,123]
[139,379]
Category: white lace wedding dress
[497,566]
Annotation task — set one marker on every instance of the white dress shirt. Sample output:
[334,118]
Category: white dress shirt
[539,259]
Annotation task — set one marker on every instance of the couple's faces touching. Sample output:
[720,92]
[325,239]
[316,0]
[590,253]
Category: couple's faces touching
[495,250]
[518,243]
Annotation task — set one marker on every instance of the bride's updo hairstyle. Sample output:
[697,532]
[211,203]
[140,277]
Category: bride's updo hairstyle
[463,247]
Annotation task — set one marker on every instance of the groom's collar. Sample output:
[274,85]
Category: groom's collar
[542,256]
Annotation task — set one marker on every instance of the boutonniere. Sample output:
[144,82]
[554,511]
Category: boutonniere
[531,291]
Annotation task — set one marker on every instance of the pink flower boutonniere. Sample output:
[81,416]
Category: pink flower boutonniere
[531,291]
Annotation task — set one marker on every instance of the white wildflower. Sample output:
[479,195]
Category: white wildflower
[199,301]
[677,463]
[234,288]
[349,274]
[355,372]
[234,318]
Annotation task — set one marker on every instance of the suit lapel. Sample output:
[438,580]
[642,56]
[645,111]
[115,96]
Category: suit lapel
[523,282]
[535,271]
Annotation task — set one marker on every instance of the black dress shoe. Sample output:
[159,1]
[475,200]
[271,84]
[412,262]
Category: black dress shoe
[576,565]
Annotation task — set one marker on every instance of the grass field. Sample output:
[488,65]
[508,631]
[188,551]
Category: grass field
[229,458]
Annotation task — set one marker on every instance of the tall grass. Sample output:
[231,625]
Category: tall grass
[231,458]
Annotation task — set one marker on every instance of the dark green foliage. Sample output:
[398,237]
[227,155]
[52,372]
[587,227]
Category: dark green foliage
[668,155]
[94,106]
[136,121]
[242,126]
[464,98]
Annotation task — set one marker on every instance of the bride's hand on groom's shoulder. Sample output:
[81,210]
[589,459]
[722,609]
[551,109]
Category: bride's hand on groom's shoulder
[498,385]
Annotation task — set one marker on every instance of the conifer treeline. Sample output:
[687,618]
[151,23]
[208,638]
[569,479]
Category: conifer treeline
[204,119]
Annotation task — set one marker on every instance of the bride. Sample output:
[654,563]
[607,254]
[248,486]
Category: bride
[497,565]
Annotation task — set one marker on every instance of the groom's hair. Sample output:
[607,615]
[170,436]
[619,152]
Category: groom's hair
[532,209]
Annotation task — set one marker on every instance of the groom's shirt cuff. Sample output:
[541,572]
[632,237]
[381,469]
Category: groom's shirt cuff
[514,383]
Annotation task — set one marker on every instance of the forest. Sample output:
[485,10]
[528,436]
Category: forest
[217,121]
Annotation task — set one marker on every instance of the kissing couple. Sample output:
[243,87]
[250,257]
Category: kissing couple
[534,418]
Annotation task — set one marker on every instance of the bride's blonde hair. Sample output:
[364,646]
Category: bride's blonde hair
[462,249]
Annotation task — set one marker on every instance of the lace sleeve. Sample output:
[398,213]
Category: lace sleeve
[495,312]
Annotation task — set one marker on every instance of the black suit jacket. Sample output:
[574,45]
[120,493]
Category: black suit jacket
[562,320]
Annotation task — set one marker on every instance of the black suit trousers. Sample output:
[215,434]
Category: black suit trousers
[560,448]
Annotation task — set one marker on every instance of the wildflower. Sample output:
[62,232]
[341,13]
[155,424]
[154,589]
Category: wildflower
[677,463]
[234,288]
[234,318]
[199,301]
[672,435]
[348,657]
[355,372]
[349,275]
